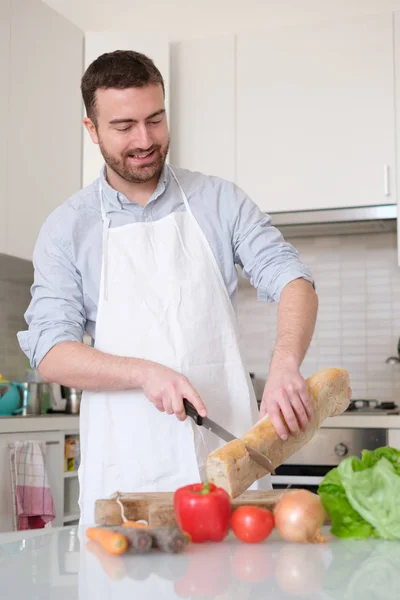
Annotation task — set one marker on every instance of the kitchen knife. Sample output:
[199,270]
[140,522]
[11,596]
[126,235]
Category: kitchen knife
[207,423]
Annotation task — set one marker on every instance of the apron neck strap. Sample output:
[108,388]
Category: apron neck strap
[183,195]
[106,226]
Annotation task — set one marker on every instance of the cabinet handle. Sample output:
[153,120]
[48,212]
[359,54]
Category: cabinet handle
[386,189]
[47,444]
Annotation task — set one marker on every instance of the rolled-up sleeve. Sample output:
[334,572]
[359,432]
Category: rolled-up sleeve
[268,261]
[56,312]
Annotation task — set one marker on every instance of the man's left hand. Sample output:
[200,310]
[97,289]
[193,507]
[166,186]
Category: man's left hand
[286,395]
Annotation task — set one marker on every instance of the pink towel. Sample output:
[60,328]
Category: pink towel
[33,500]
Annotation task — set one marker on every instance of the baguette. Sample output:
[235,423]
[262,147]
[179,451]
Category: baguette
[231,467]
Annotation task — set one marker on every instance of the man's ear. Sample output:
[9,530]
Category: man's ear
[91,127]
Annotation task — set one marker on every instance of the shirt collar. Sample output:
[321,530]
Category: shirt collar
[117,199]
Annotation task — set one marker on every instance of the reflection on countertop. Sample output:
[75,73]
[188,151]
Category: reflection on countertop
[59,563]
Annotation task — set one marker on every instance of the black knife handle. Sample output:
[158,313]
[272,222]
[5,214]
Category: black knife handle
[192,412]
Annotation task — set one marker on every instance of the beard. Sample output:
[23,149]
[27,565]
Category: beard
[123,166]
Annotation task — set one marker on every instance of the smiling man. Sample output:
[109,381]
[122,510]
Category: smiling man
[143,259]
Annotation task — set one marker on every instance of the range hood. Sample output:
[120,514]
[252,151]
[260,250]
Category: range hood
[337,221]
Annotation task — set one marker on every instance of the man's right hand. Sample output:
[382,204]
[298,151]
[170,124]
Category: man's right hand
[78,365]
[167,388]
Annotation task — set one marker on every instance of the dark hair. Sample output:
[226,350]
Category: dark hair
[119,69]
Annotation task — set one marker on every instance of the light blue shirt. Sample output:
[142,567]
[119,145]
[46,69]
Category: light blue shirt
[68,252]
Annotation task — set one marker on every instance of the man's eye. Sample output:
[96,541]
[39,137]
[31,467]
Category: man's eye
[124,129]
[155,122]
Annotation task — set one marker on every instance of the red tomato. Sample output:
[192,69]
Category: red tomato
[252,524]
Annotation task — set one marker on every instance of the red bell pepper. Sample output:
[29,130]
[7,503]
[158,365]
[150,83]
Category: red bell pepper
[203,511]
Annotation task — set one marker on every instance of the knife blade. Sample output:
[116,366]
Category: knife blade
[225,435]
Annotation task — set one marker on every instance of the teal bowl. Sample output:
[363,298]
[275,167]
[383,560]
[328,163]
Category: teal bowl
[10,398]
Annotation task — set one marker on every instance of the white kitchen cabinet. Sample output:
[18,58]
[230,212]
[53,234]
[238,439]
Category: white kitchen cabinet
[5,18]
[396,29]
[315,115]
[44,156]
[203,105]
[99,42]
[54,465]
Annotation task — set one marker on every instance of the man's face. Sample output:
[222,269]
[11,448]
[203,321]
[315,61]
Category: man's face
[132,131]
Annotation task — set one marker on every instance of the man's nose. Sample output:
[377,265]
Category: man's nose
[142,138]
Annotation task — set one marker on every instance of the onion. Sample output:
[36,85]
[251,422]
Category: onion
[299,516]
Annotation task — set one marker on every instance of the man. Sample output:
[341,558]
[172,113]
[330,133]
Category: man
[143,259]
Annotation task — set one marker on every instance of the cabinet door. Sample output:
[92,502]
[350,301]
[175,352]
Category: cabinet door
[45,128]
[54,465]
[5,17]
[397,109]
[315,115]
[98,42]
[203,106]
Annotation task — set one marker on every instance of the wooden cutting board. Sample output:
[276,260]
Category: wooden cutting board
[157,508]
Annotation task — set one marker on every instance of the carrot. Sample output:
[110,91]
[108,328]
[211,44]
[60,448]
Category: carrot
[111,542]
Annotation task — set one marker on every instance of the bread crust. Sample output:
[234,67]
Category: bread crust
[231,466]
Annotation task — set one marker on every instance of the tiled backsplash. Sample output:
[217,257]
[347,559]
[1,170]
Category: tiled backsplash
[14,300]
[358,283]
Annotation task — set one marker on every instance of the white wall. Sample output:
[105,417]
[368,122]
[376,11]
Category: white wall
[185,19]
[97,43]
[5,35]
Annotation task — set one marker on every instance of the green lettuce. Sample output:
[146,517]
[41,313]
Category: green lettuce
[362,496]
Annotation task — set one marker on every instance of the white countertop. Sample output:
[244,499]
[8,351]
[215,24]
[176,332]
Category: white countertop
[48,422]
[48,564]
[70,423]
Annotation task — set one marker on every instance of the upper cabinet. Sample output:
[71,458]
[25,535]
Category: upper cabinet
[5,20]
[44,129]
[315,115]
[203,106]
[96,43]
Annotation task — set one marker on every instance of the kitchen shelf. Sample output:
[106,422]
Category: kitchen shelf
[70,474]
[71,517]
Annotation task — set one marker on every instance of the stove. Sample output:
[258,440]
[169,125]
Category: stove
[360,406]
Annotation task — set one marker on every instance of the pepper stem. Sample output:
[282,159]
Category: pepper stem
[206,488]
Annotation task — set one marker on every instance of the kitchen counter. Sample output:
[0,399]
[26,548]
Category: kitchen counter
[49,564]
[56,422]
[48,422]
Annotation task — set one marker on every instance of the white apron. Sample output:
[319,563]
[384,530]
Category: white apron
[162,298]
